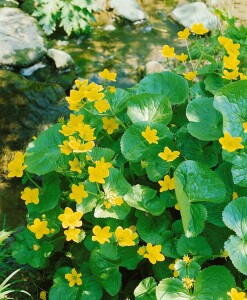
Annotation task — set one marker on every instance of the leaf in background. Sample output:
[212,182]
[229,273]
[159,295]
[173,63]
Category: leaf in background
[146,289]
[172,289]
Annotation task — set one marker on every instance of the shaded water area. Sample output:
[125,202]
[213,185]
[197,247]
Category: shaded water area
[125,50]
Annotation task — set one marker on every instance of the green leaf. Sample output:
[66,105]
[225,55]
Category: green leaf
[145,199]
[43,155]
[171,289]
[146,289]
[130,257]
[97,153]
[235,217]
[205,121]
[194,183]
[213,283]
[237,250]
[214,82]
[119,100]
[239,174]
[105,268]
[89,203]
[49,196]
[197,247]
[192,269]
[133,144]
[150,108]
[152,229]
[168,84]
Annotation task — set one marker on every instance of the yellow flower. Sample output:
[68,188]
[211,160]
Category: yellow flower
[112,89]
[75,165]
[188,282]
[234,195]
[167,184]
[150,135]
[75,96]
[78,147]
[184,34]
[16,166]
[235,295]
[101,235]
[187,259]
[35,247]
[94,95]
[30,195]
[182,57]
[70,219]
[190,75]
[125,237]
[80,83]
[42,295]
[78,193]
[141,251]
[108,75]
[67,131]
[102,105]
[169,155]
[72,234]
[177,207]
[242,76]
[107,205]
[224,40]
[109,124]
[199,29]
[245,126]
[100,172]
[230,143]
[230,62]
[230,75]
[172,267]
[39,228]
[232,49]
[153,253]
[167,51]
[75,121]
[73,278]
[65,148]
[86,133]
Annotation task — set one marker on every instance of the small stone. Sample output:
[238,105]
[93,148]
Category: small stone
[61,59]
[109,27]
[29,71]
[196,12]
[153,66]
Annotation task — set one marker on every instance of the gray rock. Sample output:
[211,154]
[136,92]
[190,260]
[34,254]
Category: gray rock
[61,59]
[109,27]
[25,106]
[29,71]
[128,9]
[153,66]
[21,41]
[8,3]
[196,12]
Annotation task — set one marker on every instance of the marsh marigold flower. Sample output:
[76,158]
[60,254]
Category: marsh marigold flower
[42,295]
[184,34]
[70,219]
[230,143]
[182,57]
[101,235]
[232,49]
[112,89]
[73,278]
[188,282]
[242,76]
[78,193]
[190,75]
[231,75]
[16,166]
[169,155]
[167,51]
[224,40]
[199,29]
[100,171]
[172,267]
[153,253]
[106,74]
[125,237]
[230,62]
[150,135]
[75,165]
[234,195]
[235,295]
[72,234]
[39,228]
[30,195]
[109,124]
[75,121]
[65,148]
[141,251]
[166,184]
[102,105]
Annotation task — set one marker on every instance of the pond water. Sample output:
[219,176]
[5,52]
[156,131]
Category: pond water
[124,50]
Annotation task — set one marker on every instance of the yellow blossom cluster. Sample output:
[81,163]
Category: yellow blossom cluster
[71,220]
[230,61]
[16,166]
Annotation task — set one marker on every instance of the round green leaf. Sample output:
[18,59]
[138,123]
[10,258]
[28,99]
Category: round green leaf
[171,289]
[168,84]
[146,289]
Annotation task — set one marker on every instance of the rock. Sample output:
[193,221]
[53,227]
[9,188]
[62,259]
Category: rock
[196,12]
[21,41]
[27,105]
[153,66]
[61,59]
[128,9]
[29,71]
[8,3]
[109,27]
